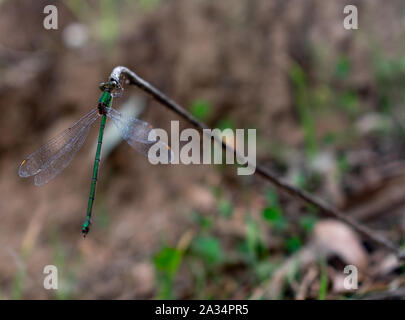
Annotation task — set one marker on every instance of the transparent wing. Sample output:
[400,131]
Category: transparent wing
[62,160]
[140,135]
[53,157]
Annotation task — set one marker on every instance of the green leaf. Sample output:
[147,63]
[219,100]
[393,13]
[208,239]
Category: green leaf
[201,109]
[168,260]
[293,243]
[208,248]
[272,214]
[343,67]
[225,208]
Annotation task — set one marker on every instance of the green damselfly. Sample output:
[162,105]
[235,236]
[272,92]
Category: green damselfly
[49,160]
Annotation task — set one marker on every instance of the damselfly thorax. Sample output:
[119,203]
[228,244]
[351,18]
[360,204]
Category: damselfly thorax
[104,102]
[109,89]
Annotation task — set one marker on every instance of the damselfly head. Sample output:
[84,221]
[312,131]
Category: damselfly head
[107,86]
[111,86]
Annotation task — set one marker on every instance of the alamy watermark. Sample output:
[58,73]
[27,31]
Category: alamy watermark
[350,282]
[202,149]
[351,20]
[51,20]
[51,278]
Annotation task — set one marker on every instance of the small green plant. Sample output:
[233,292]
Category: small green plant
[167,262]
[208,249]
[17,288]
[204,257]
[343,68]
[254,247]
[273,212]
[350,102]
[252,238]
[302,103]
[225,208]
[323,281]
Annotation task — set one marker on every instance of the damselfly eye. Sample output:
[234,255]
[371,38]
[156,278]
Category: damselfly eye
[114,85]
[102,86]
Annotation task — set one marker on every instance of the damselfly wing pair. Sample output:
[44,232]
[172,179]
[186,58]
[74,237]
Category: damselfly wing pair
[49,160]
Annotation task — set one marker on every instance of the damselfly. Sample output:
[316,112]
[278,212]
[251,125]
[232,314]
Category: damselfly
[49,160]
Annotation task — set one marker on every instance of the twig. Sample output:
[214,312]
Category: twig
[122,72]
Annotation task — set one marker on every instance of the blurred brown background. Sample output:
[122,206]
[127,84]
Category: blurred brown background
[327,104]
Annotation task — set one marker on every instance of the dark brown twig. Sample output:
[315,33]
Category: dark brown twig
[122,72]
